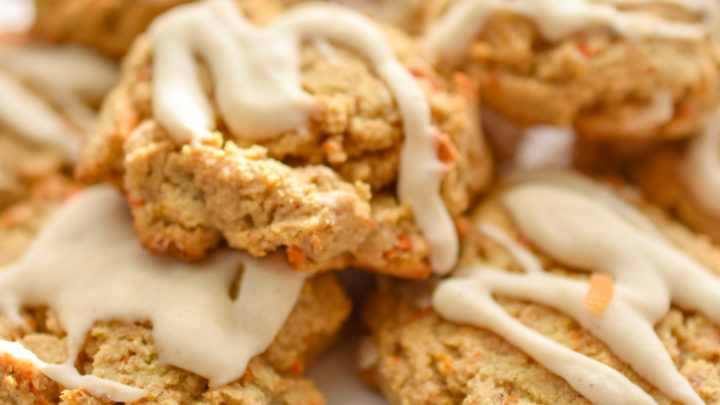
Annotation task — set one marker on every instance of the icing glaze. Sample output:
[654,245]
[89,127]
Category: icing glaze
[449,37]
[545,146]
[259,94]
[568,218]
[701,169]
[87,265]
[67,77]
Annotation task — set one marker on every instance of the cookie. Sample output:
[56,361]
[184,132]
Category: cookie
[108,26]
[684,178]
[79,329]
[639,72]
[350,150]
[49,98]
[546,306]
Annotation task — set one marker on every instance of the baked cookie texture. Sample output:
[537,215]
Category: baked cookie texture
[126,352]
[36,186]
[23,165]
[658,172]
[325,194]
[414,356]
[599,82]
[108,26]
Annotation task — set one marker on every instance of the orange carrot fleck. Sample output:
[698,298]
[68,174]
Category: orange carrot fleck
[600,293]
[422,76]
[371,224]
[462,226]
[585,48]
[523,241]
[248,376]
[512,399]
[575,335]
[135,202]
[390,254]
[446,151]
[297,368]
[417,73]
[295,256]
[330,146]
[404,242]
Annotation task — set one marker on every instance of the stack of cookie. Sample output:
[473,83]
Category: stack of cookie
[535,184]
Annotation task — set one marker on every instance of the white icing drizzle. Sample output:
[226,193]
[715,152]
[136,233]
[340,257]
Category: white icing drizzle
[702,167]
[25,113]
[87,265]
[259,94]
[68,76]
[449,37]
[568,218]
[66,375]
[545,146]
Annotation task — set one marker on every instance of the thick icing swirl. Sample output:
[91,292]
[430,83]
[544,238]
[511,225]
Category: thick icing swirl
[55,111]
[583,226]
[450,36]
[88,266]
[259,94]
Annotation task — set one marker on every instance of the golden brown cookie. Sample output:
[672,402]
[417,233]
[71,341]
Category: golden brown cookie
[640,71]
[127,352]
[326,192]
[416,355]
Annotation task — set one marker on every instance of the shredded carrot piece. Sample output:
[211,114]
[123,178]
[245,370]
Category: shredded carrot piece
[600,293]
[446,150]
[585,48]
[135,202]
[248,376]
[404,242]
[512,399]
[390,254]
[575,335]
[371,224]
[422,76]
[295,256]
[297,368]
[330,146]
[462,226]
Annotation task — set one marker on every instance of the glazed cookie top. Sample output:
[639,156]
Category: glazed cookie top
[636,275]
[258,91]
[329,111]
[614,70]
[450,36]
[87,273]
[48,92]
